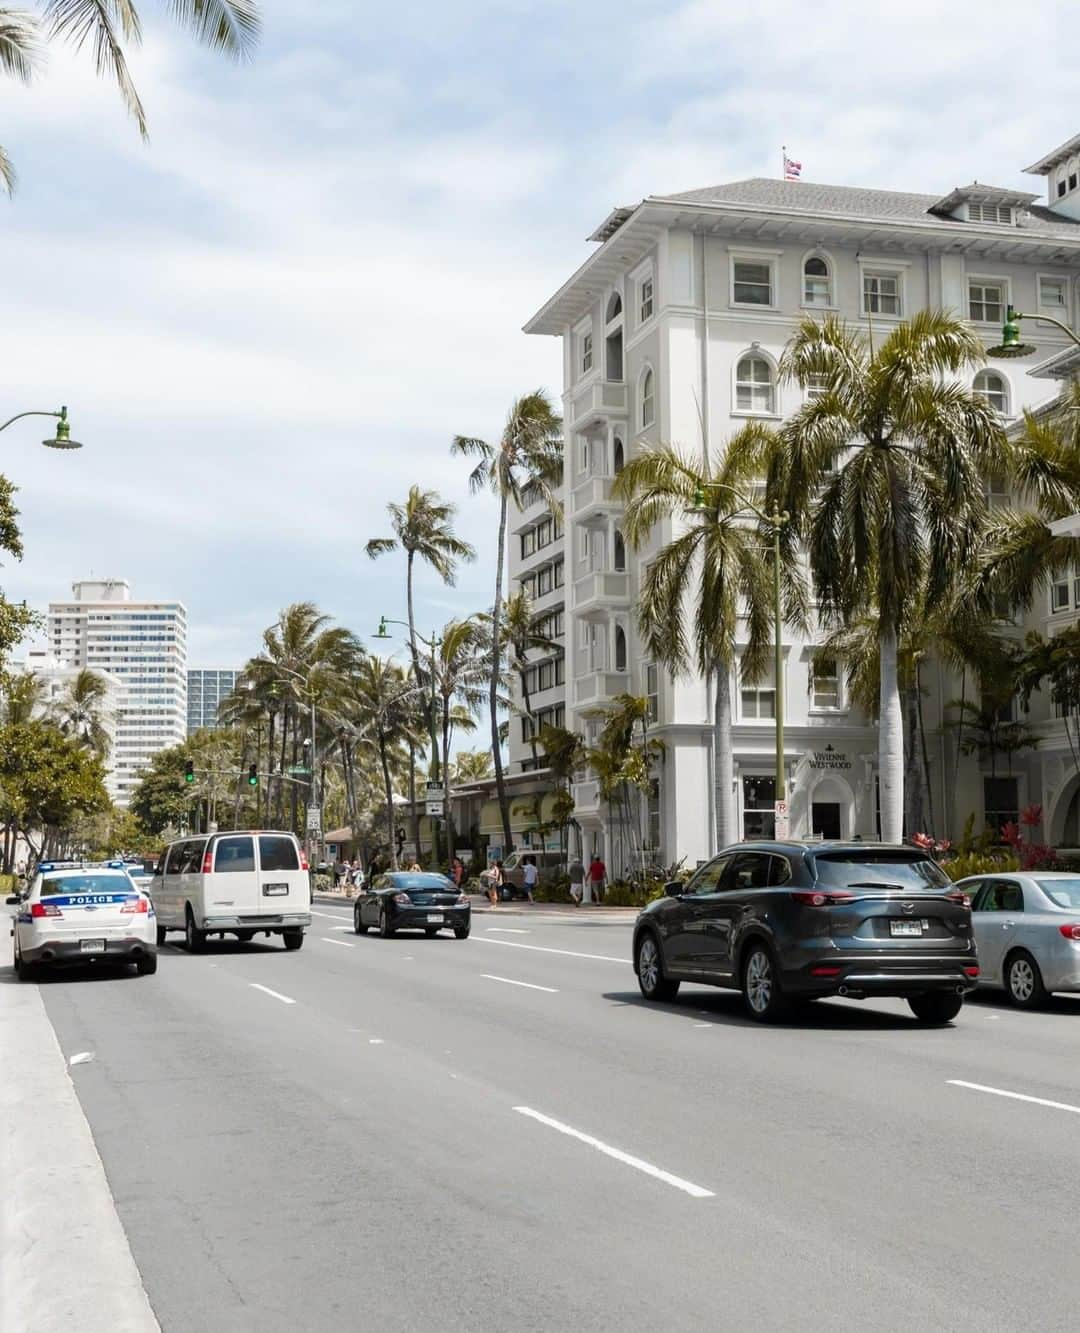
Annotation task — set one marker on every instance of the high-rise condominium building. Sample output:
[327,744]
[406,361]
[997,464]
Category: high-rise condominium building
[672,331]
[205,690]
[144,646]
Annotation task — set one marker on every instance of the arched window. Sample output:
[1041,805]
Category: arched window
[620,648]
[817,281]
[620,551]
[618,456]
[648,398]
[614,307]
[991,386]
[755,390]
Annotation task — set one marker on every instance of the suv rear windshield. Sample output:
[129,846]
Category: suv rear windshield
[902,870]
[278,854]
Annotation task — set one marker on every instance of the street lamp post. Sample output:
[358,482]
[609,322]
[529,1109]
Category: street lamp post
[432,645]
[777,521]
[1011,345]
[312,843]
[61,439]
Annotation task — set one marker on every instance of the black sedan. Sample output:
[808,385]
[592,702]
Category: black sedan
[403,901]
[789,920]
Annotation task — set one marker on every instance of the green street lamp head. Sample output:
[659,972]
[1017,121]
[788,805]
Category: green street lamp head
[381,632]
[62,439]
[700,505]
[1010,344]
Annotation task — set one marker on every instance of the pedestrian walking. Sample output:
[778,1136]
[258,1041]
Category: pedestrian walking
[597,876]
[457,871]
[577,880]
[494,882]
[416,869]
[529,876]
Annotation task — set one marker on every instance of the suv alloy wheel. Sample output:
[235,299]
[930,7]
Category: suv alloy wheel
[650,970]
[761,989]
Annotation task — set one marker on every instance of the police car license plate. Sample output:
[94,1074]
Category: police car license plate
[92,946]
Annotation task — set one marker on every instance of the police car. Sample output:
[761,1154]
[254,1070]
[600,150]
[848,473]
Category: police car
[79,913]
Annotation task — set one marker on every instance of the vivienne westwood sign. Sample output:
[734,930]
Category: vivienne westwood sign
[829,758]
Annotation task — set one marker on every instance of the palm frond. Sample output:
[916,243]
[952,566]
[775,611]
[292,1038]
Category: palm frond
[20,46]
[231,26]
[80,21]
[8,175]
[380,546]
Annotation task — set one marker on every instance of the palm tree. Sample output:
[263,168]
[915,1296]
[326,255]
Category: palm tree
[523,636]
[472,766]
[231,26]
[883,477]
[424,529]
[461,672]
[1021,555]
[384,697]
[80,711]
[718,568]
[23,697]
[529,453]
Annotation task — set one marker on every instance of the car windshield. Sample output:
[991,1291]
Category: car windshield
[1061,892]
[420,881]
[866,869]
[70,886]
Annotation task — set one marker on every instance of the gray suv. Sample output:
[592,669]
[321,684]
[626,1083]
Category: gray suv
[793,920]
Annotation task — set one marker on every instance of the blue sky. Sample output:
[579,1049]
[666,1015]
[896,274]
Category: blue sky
[273,318]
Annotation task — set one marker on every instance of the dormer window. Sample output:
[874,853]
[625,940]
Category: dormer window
[1001,214]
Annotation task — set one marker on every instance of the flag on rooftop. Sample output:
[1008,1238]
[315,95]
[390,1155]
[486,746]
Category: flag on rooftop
[792,169]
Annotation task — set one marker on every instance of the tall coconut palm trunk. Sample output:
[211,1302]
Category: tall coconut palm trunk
[493,692]
[914,809]
[891,743]
[726,831]
[388,793]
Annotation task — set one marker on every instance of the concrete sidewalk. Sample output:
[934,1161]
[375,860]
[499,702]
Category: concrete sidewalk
[65,1263]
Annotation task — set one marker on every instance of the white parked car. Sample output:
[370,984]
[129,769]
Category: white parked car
[233,884]
[76,913]
[1027,932]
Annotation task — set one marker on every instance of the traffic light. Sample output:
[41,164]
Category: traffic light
[253,776]
[189,770]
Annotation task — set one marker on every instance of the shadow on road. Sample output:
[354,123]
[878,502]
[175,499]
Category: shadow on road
[726,1007]
[997,999]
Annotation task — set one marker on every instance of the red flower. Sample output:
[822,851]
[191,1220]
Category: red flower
[923,840]
[1031,816]
[1010,833]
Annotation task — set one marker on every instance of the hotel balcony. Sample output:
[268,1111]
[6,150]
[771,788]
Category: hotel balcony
[599,687]
[593,496]
[586,798]
[601,589]
[599,402]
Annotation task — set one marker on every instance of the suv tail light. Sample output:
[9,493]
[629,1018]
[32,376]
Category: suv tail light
[208,861]
[959,896]
[822,897]
[140,905]
[971,971]
[1070,932]
[38,910]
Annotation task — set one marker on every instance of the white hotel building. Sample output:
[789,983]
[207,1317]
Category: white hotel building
[143,645]
[672,330]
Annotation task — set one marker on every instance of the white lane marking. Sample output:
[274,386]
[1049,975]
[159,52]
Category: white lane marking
[568,953]
[376,1041]
[506,930]
[511,982]
[344,943]
[83,1057]
[703,1025]
[267,991]
[1016,1096]
[686,1186]
[345,930]
[331,916]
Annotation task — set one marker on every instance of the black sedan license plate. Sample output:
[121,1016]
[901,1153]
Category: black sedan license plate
[275,890]
[906,927]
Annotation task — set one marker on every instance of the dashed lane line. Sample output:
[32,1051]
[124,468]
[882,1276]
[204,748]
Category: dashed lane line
[567,953]
[267,991]
[509,981]
[1015,1096]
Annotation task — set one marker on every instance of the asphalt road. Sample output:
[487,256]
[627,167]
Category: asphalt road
[418,1134]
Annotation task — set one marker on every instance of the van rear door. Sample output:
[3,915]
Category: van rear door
[233,886]
[283,885]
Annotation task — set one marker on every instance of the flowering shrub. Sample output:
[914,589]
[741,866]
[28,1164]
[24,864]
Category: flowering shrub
[1031,855]
[936,845]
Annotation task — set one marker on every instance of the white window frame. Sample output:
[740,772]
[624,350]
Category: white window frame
[754,353]
[586,352]
[1059,311]
[996,220]
[840,705]
[650,679]
[766,258]
[646,298]
[583,330]
[830,303]
[766,686]
[1006,389]
[884,268]
[1066,603]
[647,402]
[982,281]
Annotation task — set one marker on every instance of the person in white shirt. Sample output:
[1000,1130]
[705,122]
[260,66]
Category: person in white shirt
[529,877]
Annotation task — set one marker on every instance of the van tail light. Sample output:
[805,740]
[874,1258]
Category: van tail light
[139,905]
[959,896]
[303,861]
[822,897]
[38,910]
[208,861]
[1070,932]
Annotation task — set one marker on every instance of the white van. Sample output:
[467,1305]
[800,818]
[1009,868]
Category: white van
[233,883]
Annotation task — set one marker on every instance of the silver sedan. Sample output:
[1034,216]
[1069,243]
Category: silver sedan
[1027,932]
